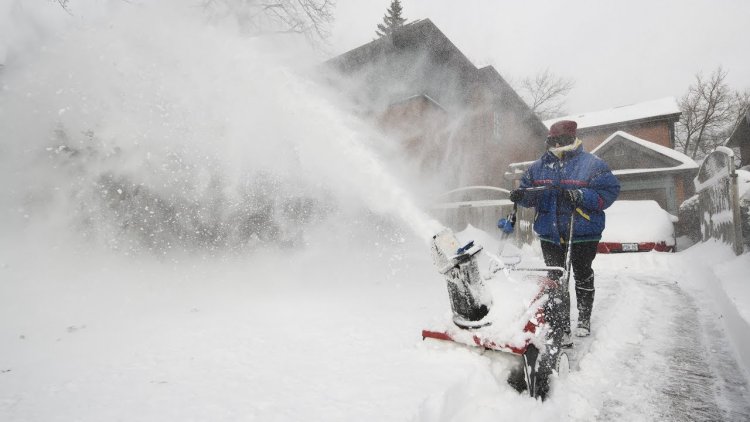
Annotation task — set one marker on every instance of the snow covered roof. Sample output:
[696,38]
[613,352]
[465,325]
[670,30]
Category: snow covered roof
[684,162]
[648,110]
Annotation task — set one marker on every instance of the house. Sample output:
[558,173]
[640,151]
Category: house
[740,138]
[460,124]
[651,120]
[647,170]
[637,141]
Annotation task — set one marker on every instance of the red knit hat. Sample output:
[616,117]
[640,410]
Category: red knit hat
[563,127]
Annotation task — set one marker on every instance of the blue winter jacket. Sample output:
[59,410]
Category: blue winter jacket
[577,169]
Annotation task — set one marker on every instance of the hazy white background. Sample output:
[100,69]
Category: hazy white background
[618,52]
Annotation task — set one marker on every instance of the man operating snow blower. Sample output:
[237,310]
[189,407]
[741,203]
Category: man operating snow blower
[580,185]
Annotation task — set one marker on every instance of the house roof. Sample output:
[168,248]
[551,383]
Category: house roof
[413,50]
[679,161]
[741,132]
[662,109]
[420,48]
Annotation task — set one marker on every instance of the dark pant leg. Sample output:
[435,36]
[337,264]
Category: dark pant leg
[583,256]
[558,309]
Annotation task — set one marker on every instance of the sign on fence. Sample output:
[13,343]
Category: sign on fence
[718,199]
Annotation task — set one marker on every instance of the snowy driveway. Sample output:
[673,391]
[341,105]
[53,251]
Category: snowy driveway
[658,353]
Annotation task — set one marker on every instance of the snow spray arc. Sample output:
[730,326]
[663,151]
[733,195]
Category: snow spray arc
[145,147]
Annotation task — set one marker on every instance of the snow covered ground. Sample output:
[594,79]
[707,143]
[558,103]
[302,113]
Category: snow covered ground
[133,288]
[332,333]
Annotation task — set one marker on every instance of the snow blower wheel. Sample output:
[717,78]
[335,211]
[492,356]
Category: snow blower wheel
[538,369]
[537,372]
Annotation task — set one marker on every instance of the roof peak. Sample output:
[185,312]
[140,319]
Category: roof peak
[685,162]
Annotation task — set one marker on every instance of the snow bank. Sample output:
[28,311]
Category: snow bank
[712,269]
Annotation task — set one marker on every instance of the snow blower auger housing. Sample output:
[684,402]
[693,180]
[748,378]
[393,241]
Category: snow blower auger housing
[468,297]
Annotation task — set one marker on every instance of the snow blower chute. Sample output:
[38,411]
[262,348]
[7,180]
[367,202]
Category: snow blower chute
[469,300]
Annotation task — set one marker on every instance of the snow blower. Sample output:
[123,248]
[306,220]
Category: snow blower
[478,315]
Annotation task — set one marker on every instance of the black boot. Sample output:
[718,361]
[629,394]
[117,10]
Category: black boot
[585,299]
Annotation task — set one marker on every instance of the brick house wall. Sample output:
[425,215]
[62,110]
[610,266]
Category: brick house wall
[419,123]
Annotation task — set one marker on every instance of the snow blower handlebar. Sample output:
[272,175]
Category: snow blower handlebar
[569,254]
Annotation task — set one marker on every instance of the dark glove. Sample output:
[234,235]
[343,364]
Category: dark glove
[516,195]
[575,196]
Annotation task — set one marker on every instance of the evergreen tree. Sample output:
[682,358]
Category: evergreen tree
[392,20]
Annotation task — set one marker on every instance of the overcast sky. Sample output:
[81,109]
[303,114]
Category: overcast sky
[617,52]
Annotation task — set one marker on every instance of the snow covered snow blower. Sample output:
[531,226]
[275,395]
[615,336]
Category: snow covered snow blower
[503,312]
[469,299]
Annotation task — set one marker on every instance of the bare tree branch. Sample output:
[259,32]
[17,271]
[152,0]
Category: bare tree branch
[256,17]
[64,5]
[545,93]
[709,109]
